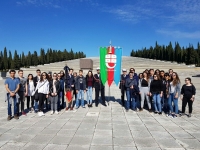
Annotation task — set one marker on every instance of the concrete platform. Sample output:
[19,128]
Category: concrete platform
[103,128]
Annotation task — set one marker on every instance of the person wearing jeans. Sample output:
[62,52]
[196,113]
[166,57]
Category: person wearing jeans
[54,88]
[80,85]
[89,87]
[134,97]
[12,86]
[130,83]
[61,90]
[21,92]
[174,94]
[156,91]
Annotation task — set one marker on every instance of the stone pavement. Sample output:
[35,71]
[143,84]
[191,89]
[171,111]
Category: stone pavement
[102,128]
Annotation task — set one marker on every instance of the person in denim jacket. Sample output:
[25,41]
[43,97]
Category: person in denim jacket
[173,95]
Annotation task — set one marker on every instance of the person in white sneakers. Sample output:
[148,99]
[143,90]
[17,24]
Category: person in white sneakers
[43,91]
[54,88]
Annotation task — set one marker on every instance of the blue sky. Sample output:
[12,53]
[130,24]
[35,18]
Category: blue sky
[85,25]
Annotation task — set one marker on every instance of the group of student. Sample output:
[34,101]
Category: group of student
[52,89]
[160,89]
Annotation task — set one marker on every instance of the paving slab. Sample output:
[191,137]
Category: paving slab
[55,146]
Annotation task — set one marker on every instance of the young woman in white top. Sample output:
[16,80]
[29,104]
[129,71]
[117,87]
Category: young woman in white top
[43,91]
[29,91]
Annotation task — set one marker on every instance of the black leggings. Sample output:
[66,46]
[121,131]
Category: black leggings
[21,101]
[28,101]
[42,98]
[184,103]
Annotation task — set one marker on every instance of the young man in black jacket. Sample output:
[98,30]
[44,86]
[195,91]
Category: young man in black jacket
[99,87]
[35,81]
[80,85]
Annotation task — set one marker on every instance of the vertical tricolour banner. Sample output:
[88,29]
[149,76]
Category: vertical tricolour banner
[110,64]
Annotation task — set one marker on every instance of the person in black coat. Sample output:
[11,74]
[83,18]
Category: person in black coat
[188,92]
[99,87]
[122,87]
[37,78]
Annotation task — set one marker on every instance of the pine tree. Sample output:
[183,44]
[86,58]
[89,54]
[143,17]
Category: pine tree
[5,59]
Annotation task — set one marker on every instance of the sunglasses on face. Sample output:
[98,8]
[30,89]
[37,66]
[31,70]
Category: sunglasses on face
[44,75]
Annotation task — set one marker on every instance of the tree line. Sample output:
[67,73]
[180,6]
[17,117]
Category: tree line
[8,60]
[188,55]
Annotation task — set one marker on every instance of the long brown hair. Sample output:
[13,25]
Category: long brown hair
[89,72]
[41,76]
[146,74]
[177,80]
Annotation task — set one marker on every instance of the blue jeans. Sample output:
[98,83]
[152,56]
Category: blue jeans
[131,102]
[36,105]
[157,102]
[80,94]
[59,97]
[89,95]
[15,107]
[162,101]
[174,107]
[134,102]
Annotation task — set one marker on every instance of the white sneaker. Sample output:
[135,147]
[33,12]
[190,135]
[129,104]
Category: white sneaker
[51,112]
[40,114]
[43,114]
[56,112]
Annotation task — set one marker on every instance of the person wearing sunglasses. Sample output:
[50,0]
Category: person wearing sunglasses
[135,76]
[156,91]
[61,90]
[166,83]
[54,88]
[43,91]
[188,92]
[173,95]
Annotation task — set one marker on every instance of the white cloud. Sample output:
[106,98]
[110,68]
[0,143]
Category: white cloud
[180,34]
[41,3]
[171,12]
